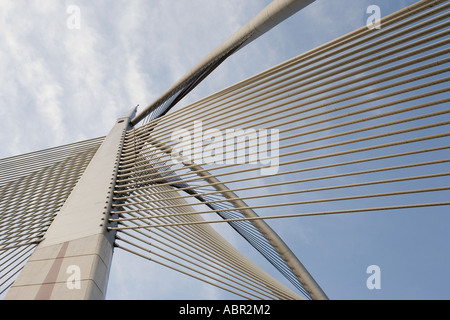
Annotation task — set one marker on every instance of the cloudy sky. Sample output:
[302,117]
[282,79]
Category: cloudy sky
[59,85]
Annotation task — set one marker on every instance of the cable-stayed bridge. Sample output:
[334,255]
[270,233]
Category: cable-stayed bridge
[358,125]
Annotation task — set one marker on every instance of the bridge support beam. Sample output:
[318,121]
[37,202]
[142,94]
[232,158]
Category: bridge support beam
[73,260]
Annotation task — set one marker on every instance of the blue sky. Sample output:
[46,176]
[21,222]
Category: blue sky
[61,85]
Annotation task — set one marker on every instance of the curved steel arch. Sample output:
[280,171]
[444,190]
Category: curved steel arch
[304,278]
[276,12]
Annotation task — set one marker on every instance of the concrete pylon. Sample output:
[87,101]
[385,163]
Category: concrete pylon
[73,260]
